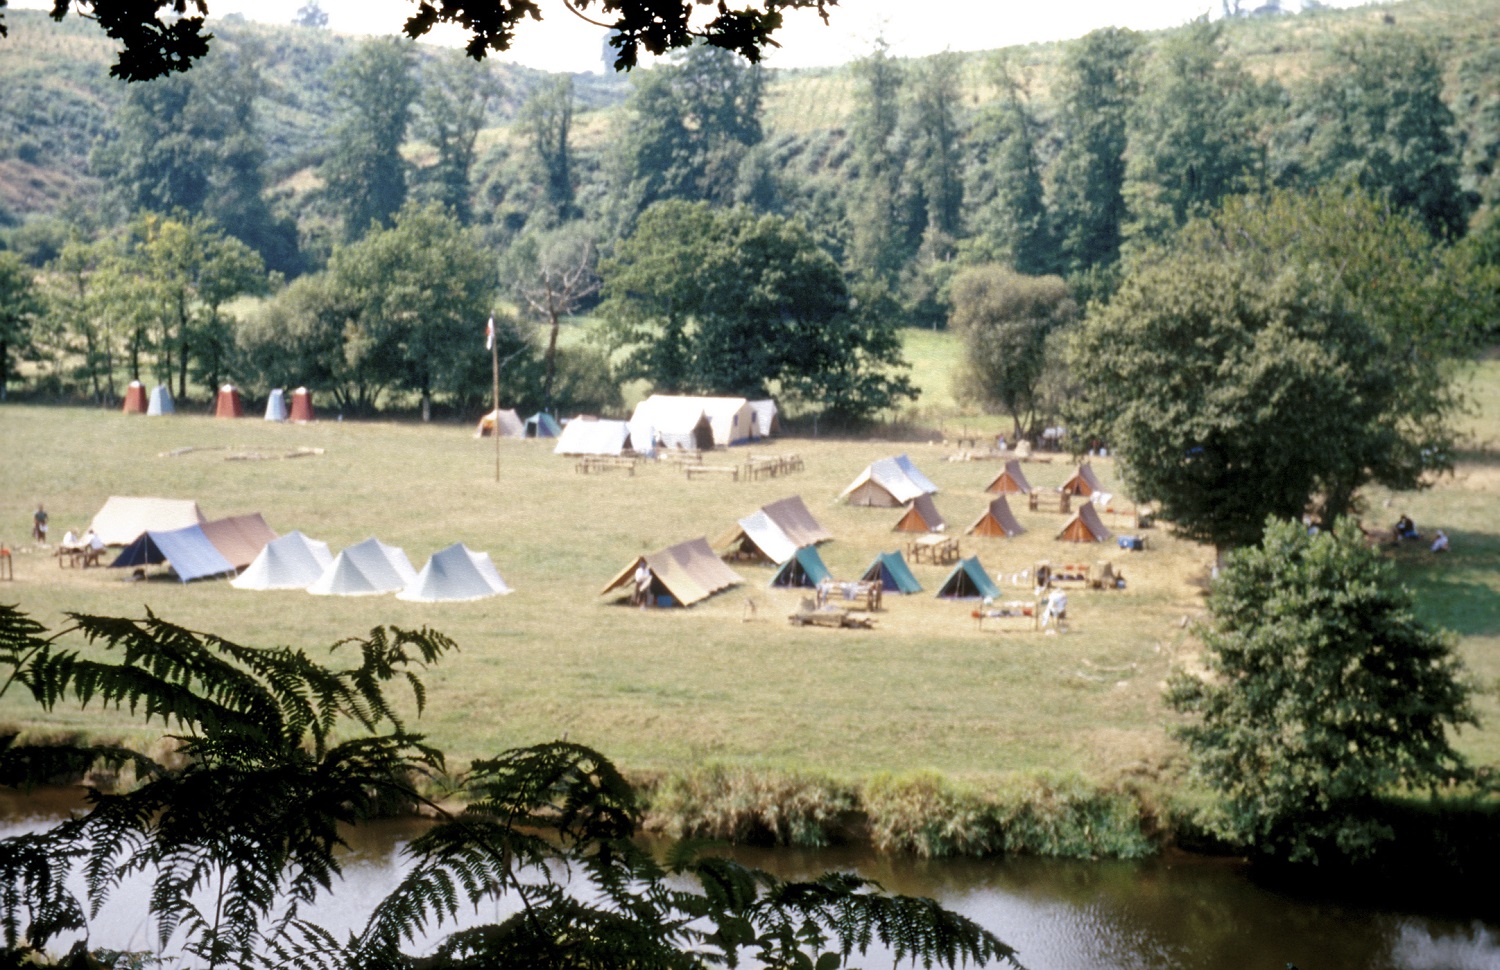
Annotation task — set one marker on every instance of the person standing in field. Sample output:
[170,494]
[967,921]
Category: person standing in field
[39,525]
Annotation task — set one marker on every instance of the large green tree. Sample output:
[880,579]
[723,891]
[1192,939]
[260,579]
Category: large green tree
[1320,692]
[1377,117]
[547,119]
[1004,194]
[701,300]
[881,238]
[364,173]
[455,94]
[1282,354]
[20,305]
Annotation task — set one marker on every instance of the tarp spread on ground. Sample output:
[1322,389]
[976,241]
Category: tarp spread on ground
[189,551]
[291,562]
[1085,526]
[997,520]
[239,538]
[968,581]
[921,516]
[542,425]
[593,436]
[1083,482]
[124,517]
[455,574]
[767,421]
[368,569]
[796,521]
[1010,481]
[804,569]
[510,423]
[276,405]
[757,536]
[894,575]
[888,483]
[687,572]
[161,402]
[731,420]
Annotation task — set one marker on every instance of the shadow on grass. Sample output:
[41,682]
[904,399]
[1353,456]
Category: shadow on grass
[1446,588]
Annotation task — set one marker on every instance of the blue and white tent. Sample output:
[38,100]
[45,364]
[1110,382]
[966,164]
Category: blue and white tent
[189,551]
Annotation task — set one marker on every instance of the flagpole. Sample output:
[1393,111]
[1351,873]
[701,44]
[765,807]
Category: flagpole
[495,370]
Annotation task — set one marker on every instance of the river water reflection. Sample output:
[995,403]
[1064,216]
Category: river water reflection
[1176,912]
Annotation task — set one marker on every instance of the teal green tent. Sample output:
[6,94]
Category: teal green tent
[804,569]
[893,574]
[968,581]
[542,425]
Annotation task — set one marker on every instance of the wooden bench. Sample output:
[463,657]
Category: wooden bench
[936,549]
[831,616]
[604,463]
[681,457]
[704,471]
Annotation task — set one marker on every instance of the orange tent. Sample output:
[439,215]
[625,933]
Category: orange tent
[1085,526]
[1083,482]
[1010,481]
[997,520]
[921,516]
[135,398]
[228,405]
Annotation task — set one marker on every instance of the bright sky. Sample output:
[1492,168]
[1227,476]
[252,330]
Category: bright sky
[562,42]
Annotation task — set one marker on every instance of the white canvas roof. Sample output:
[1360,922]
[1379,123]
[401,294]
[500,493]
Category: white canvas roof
[592,437]
[883,478]
[455,574]
[768,537]
[368,569]
[292,562]
[922,481]
[642,438]
[796,521]
[124,517]
[731,418]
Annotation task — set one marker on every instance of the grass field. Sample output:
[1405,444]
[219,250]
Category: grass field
[667,690]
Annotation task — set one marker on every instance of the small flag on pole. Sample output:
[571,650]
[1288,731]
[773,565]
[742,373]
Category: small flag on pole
[489,334]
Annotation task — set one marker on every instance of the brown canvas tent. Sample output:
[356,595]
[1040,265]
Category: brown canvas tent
[123,518]
[997,520]
[135,398]
[239,538]
[685,573]
[921,516]
[1082,483]
[797,522]
[510,423]
[1085,526]
[1010,481]
[228,404]
[302,409]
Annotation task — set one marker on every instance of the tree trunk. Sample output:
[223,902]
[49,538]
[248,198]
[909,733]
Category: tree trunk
[551,356]
[182,372]
[4,366]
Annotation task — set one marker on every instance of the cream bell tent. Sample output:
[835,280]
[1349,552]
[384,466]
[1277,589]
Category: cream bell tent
[886,483]
[507,420]
[593,436]
[124,517]
[681,575]
[731,419]
[1085,526]
[792,515]
[189,551]
[1010,481]
[921,516]
[228,404]
[767,420]
[1083,482]
[291,562]
[135,398]
[161,402]
[302,409]
[997,520]
[239,538]
[276,405]
[368,569]
[455,574]
[676,423]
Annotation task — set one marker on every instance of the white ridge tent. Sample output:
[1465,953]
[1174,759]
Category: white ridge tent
[759,537]
[292,562]
[276,405]
[368,569]
[766,422]
[888,484]
[124,517]
[455,574]
[161,402]
[583,436]
[731,419]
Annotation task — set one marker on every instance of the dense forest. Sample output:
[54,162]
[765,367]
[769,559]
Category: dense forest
[827,207]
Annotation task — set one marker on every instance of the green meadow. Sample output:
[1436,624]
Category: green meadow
[729,681]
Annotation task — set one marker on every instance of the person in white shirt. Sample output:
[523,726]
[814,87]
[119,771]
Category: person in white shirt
[1440,544]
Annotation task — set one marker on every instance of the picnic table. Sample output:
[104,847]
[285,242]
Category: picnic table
[76,556]
[757,466]
[870,591]
[704,471]
[1060,502]
[936,549]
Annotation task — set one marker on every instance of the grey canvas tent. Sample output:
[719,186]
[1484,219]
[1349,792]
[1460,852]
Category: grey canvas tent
[894,575]
[921,516]
[997,520]
[291,562]
[506,420]
[1085,526]
[796,521]
[1010,481]
[884,483]
[682,574]
[542,425]
[124,517]
[188,550]
[804,569]
[455,574]
[368,569]
[923,482]
[1082,482]
[968,581]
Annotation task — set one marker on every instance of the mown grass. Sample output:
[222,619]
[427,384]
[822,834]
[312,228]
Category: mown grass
[679,692]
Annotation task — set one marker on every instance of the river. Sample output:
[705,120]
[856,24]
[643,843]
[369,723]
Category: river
[1174,912]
